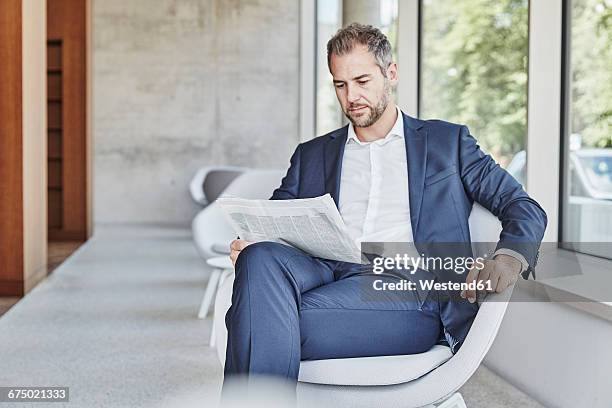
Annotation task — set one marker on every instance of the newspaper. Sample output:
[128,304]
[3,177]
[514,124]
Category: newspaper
[312,225]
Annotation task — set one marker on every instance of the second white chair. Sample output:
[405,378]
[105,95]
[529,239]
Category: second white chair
[211,232]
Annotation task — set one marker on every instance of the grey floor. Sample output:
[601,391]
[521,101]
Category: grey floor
[117,324]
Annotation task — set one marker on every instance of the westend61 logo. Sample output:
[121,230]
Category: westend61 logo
[411,264]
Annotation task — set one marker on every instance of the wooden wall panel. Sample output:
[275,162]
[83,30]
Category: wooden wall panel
[11,170]
[66,21]
[34,139]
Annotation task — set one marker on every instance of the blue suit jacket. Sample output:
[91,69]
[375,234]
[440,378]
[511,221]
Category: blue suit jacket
[447,172]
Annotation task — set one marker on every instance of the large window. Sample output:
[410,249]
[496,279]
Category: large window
[331,16]
[328,112]
[587,169]
[474,72]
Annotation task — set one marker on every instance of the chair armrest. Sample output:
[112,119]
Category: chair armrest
[222,248]
[221,262]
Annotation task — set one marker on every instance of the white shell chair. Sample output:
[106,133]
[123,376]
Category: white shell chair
[212,234]
[429,379]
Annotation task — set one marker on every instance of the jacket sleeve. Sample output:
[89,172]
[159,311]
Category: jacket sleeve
[523,219]
[290,184]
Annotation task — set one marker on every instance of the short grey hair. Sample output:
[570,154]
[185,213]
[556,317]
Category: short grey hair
[346,38]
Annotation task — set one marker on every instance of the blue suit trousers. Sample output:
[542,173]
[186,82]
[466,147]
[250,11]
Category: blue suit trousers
[288,306]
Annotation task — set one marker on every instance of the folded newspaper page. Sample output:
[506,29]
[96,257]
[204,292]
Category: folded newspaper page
[312,225]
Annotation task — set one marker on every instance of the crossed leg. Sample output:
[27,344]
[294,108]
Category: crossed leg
[288,306]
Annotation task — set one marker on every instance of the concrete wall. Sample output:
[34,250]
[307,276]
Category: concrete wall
[180,84]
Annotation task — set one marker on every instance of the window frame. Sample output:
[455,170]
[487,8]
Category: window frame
[565,132]
[564,125]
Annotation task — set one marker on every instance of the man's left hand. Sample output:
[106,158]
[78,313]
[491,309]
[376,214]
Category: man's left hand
[502,271]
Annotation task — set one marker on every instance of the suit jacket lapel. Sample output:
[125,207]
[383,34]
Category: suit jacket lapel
[416,156]
[334,150]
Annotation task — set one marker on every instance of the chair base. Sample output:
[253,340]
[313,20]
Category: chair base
[213,331]
[220,264]
[211,290]
[315,395]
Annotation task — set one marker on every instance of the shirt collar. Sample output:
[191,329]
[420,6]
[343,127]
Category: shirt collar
[396,131]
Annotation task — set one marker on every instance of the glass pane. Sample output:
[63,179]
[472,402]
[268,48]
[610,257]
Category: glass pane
[330,15]
[328,112]
[388,25]
[388,22]
[587,203]
[474,72]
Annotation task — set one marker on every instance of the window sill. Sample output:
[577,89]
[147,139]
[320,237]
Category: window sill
[574,279]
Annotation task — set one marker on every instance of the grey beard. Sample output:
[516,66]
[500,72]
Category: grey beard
[376,111]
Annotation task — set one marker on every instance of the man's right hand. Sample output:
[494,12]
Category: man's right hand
[236,246]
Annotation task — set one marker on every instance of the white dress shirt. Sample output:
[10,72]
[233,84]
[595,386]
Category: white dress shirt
[374,201]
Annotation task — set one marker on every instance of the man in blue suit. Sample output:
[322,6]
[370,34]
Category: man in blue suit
[394,178]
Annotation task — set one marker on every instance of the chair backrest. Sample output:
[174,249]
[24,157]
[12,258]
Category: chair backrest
[484,230]
[484,226]
[255,184]
[218,180]
[209,226]
[210,181]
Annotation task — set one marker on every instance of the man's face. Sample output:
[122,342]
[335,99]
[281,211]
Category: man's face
[361,88]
